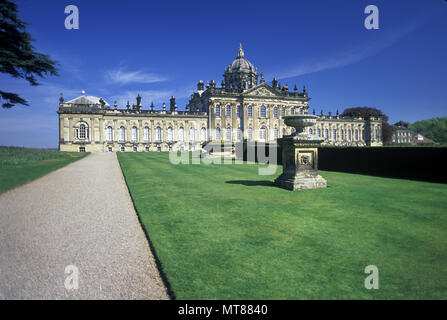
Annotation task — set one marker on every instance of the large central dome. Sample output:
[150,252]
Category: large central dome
[241,63]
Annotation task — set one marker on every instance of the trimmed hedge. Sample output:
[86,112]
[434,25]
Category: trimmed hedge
[416,163]
[426,164]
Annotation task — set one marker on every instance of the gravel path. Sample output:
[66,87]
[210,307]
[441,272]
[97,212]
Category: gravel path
[79,215]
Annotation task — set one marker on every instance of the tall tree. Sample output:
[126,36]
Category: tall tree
[17,55]
[365,112]
[434,129]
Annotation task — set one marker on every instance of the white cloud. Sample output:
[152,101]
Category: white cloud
[353,54]
[121,76]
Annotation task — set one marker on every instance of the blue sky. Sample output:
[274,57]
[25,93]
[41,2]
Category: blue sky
[162,48]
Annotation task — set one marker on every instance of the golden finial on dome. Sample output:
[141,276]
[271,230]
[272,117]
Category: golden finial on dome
[240,52]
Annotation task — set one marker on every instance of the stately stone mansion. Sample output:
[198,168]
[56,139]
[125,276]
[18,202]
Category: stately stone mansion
[244,107]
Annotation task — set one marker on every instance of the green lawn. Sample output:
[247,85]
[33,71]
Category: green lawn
[224,232]
[21,165]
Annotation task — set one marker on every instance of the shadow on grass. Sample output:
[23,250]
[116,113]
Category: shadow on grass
[253,183]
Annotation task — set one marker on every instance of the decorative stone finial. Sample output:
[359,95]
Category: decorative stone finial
[138,100]
[295,88]
[240,52]
[304,89]
[172,104]
[115,104]
[262,77]
[61,98]
[200,86]
[128,105]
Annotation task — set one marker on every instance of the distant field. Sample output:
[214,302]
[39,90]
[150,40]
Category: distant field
[21,165]
[224,232]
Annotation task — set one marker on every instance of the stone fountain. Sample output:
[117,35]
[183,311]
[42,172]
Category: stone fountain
[300,156]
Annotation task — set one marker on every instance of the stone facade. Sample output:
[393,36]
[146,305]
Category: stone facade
[244,107]
[402,133]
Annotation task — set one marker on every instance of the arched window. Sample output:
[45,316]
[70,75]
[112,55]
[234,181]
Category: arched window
[262,133]
[275,112]
[122,133]
[239,134]
[109,133]
[301,110]
[319,132]
[326,133]
[342,134]
[228,134]
[146,134]
[292,111]
[334,134]
[82,132]
[203,134]
[356,134]
[217,110]
[250,112]
[238,111]
[263,112]
[250,134]
[228,112]
[311,131]
[192,134]
[181,134]
[283,112]
[349,134]
[377,134]
[158,134]
[170,134]
[217,133]
[134,133]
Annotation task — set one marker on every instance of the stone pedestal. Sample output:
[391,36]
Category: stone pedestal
[300,162]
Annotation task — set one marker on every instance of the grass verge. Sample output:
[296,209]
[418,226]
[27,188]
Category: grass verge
[21,165]
[224,232]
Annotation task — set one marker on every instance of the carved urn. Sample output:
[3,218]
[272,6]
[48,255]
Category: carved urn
[300,156]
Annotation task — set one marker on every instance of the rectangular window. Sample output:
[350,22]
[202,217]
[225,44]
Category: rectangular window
[81,149]
[218,111]
[228,112]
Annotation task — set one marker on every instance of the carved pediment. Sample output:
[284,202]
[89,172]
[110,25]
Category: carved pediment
[261,91]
